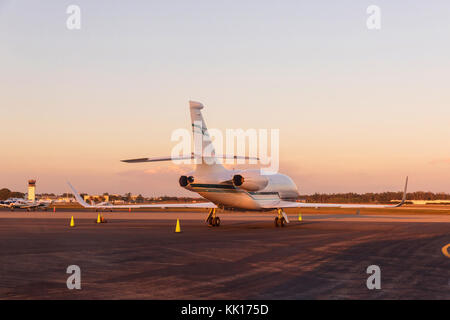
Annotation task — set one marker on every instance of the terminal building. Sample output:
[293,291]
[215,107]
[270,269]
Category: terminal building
[96,198]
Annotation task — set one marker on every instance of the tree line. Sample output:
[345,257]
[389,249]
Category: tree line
[6,194]
[383,197]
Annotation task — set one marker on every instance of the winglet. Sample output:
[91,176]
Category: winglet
[404,194]
[78,198]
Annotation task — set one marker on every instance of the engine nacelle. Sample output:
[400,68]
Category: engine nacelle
[185,181]
[250,180]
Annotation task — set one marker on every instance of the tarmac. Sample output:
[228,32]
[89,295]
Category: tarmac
[137,255]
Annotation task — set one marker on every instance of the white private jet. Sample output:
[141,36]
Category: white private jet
[240,189]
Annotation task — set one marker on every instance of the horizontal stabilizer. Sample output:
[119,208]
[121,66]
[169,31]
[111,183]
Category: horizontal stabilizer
[159,159]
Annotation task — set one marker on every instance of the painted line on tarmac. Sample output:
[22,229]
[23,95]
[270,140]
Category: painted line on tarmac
[445,250]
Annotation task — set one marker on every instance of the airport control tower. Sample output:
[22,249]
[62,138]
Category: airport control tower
[32,190]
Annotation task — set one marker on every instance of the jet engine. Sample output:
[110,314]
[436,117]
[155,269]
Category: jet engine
[185,181]
[250,180]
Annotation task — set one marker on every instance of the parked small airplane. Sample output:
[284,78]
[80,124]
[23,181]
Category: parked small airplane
[7,203]
[240,189]
[17,203]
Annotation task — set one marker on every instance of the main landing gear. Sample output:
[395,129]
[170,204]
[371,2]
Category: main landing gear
[281,219]
[212,219]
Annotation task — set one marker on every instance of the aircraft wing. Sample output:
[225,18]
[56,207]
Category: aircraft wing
[293,204]
[141,206]
[162,206]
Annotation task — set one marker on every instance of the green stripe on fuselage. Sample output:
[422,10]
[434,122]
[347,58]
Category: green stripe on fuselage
[208,185]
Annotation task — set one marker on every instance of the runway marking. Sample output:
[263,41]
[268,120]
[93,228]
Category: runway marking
[445,250]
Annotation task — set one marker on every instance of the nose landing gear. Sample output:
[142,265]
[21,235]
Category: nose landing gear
[281,219]
[212,219]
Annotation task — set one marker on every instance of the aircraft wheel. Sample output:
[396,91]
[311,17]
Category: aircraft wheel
[276,222]
[217,222]
[282,221]
[210,222]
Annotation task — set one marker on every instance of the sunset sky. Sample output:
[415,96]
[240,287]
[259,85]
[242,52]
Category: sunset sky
[358,110]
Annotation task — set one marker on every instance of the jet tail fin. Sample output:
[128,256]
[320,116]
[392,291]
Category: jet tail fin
[203,146]
[204,152]
[405,191]
[78,198]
